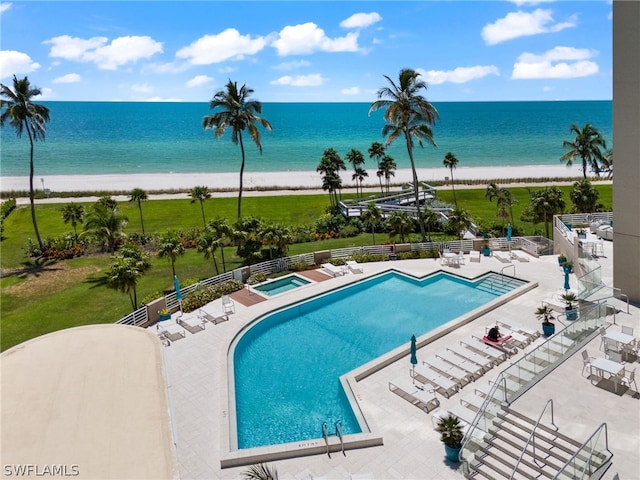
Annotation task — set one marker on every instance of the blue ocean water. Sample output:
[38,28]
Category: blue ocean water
[127,137]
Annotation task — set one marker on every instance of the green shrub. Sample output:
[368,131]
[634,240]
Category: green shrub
[349,231]
[257,277]
[338,261]
[370,257]
[7,207]
[203,296]
[300,267]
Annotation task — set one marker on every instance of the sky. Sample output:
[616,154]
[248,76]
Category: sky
[305,51]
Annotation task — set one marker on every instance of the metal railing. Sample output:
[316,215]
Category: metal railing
[532,438]
[579,467]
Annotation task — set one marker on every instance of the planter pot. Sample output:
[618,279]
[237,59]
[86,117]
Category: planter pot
[452,453]
[583,236]
[165,316]
[571,314]
[567,268]
[486,251]
[548,329]
[562,261]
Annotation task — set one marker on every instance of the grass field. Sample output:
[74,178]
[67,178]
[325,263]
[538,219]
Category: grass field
[41,298]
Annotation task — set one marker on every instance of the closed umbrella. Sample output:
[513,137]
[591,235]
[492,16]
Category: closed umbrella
[176,285]
[414,358]
[509,231]
[566,279]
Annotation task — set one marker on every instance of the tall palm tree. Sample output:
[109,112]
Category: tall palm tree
[371,217]
[504,199]
[105,224]
[407,114]
[138,195]
[359,174]
[171,247]
[376,150]
[127,268]
[73,213]
[588,144]
[356,159]
[22,114]
[330,165]
[208,242]
[459,221]
[223,231]
[400,223]
[200,194]
[238,113]
[584,197]
[544,204]
[430,219]
[451,162]
[387,170]
[275,235]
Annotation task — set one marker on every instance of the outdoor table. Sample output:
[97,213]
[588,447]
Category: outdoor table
[451,258]
[620,338]
[605,365]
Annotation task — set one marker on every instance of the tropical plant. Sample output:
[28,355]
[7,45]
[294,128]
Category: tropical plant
[430,219]
[108,202]
[544,204]
[607,163]
[356,159]
[588,144]
[359,174]
[208,242]
[400,223]
[545,314]
[569,298]
[451,162]
[246,235]
[223,231]
[200,194]
[171,247]
[387,170]
[584,197]
[451,432]
[504,200]
[106,225]
[330,165]
[73,213]
[407,114]
[127,269]
[23,114]
[371,217]
[376,150]
[239,113]
[260,471]
[276,236]
[459,221]
[138,195]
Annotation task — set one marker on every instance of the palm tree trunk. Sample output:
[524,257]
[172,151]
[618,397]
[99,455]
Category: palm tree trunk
[241,175]
[141,219]
[31,193]
[204,222]
[584,168]
[415,186]
[215,263]
[453,189]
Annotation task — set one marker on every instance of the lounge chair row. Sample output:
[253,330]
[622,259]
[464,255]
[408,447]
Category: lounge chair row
[336,270]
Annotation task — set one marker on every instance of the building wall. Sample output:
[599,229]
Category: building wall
[626,140]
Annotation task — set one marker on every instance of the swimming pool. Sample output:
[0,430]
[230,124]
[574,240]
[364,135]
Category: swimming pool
[281,285]
[287,365]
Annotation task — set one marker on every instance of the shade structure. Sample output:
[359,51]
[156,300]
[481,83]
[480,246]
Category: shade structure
[414,358]
[176,285]
[566,280]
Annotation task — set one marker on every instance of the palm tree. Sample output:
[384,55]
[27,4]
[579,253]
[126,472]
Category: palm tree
[208,242]
[275,235]
[607,163]
[222,230]
[138,195]
[73,213]
[504,198]
[22,114]
[451,162]
[239,113]
[459,221]
[126,270]
[400,223]
[171,247]
[260,471]
[387,170]
[584,197]
[356,159]
[430,219]
[200,194]
[376,150]
[587,145]
[544,204]
[371,217]
[330,165]
[407,114]
[105,224]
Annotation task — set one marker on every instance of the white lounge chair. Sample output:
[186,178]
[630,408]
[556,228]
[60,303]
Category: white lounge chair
[331,269]
[473,369]
[170,330]
[448,369]
[443,385]
[193,324]
[421,397]
[227,304]
[483,361]
[354,266]
[213,315]
[474,256]
[520,256]
[502,257]
[478,345]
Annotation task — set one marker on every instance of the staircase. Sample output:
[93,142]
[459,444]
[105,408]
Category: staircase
[498,284]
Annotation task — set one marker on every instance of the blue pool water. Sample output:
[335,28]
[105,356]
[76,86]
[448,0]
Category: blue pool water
[281,285]
[287,366]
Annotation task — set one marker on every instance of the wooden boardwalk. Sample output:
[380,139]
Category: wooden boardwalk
[243,297]
[315,275]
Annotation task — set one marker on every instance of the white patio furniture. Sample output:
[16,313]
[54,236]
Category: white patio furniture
[586,361]
[331,269]
[228,306]
[213,315]
[474,256]
[354,266]
[604,365]
[630,379]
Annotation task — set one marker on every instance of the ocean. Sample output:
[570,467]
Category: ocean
[89,138]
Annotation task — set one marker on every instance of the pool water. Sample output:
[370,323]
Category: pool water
[287,366]
[281,285]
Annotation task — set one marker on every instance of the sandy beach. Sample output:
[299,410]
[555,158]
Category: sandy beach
[267,180]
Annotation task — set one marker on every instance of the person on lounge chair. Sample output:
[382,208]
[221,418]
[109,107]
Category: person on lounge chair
[494,334]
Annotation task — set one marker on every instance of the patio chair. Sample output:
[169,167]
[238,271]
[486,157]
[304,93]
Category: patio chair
[630,379]
[474,256]
[586,361]
[626,330]
[603,332]
[227,304]
[170,330]
[354,266]
[423,398]
[443,385]
[212,315]
[615,356]
[331,269]
[193,324]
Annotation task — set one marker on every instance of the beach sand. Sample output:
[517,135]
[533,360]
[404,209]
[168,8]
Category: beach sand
[267,180]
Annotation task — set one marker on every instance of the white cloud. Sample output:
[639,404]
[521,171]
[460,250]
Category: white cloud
[107,56]
[160,99]
[227,45]
[13,63]
[4,7]
[312,80]
[559,62]
[459,74]
[361,20]
[142,88]
[522,24]
[292,65]
[199,80]
[68,78]
[308,38]
[350,91]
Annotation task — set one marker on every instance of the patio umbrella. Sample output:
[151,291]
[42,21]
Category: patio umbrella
[414,358]
[509,231]
[176,285]
[566,279]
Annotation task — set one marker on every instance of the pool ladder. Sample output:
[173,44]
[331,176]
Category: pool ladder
[325,435]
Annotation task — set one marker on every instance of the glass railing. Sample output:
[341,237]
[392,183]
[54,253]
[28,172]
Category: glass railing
[590,281]
[591,457]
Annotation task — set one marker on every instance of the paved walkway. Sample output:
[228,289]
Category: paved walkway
[198,376]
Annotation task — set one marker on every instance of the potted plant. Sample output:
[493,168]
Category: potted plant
[545,314]
[562,259]
[451,435]
[165,314]
[486,251]
[582,233]
[567,267]
[569,298]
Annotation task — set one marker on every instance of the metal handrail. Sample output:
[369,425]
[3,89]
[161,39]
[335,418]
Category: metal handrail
[602,427]
[339,434]
[532,437]
[325,435]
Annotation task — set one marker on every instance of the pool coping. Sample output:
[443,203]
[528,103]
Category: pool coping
[307,282]
[368,437]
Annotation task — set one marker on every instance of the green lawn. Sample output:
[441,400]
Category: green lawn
[42,298]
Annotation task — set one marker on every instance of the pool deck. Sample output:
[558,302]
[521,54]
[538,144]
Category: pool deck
[197,371]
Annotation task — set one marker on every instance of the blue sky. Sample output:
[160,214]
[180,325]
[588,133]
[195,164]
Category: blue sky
[328,51]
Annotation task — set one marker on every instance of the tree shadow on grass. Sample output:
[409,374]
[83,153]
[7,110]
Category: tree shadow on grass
[97,281]
[33,268]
